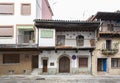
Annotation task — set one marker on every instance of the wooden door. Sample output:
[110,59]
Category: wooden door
[64,65]
[45,65]
[35,61]
[99,65]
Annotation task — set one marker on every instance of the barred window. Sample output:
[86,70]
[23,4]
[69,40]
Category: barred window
[83,62]
[115,62]
[11,58]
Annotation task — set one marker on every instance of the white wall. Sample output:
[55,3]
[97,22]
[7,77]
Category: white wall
[71,37]
[54,58]
[46,41]
[17,18]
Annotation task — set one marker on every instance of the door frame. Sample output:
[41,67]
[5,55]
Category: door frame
[44,58]
[59,59]
[104,65]
[37,61]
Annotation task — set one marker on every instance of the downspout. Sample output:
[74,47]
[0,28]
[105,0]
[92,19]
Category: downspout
[91,62]
[38,39]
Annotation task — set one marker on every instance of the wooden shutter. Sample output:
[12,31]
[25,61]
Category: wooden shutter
[83,62]
[6,31]
[6,8]
[11,58]
[26,9]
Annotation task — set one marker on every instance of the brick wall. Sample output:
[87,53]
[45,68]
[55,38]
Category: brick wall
[25,64]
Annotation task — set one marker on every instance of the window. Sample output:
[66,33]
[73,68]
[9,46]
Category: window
[83,62]
[115,62]
[110,27]
[46,33]
[6,31]
[11,58]
[108,44]
[28,35]
[7,8]
[60,40]
[25,9]
[80,40]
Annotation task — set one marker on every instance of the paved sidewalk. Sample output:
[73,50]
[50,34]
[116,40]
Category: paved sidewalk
[59,79]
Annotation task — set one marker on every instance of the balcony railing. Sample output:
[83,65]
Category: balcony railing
[111,51]
[74,43]
[26,39]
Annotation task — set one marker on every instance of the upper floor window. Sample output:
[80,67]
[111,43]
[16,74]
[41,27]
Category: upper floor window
[6,31]
[7,8]
[108,44]
[60,40]
[110,27]
[25,9]
[80,40]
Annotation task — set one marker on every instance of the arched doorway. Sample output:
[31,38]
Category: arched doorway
[64,65]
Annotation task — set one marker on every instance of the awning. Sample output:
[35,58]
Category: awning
[25,27]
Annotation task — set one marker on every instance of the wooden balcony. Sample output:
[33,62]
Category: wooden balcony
[109,34]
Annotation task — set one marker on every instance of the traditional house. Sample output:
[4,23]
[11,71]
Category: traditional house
[18,36]
[106,57]
[66,46]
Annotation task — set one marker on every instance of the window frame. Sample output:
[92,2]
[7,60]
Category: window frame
[22,8]
[12,27]
[60,40]
[85,65]
[14,60]
[117,60]
[108,44]
[80,40]
[8,13]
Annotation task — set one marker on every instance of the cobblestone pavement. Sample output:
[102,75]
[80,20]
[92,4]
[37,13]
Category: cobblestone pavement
[59,79]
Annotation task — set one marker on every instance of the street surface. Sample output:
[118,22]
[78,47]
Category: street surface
[59,79]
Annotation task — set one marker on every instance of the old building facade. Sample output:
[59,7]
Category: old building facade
[66,46]
[18,35]
[106,56]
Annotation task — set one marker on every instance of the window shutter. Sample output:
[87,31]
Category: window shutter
[6,8]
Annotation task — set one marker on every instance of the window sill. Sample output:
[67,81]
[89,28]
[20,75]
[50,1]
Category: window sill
[10,63]
[83,67]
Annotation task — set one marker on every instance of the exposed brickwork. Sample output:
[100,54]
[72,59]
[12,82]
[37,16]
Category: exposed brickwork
[25,64]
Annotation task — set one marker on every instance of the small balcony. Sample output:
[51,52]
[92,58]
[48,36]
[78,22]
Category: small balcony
[68,43]
[112,50]
[109,52]
[26,40]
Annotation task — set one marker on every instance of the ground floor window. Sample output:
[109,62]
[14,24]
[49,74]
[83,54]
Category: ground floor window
[83,62]
[11,58]
[115,62]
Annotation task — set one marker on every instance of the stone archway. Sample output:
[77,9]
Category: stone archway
[64,65]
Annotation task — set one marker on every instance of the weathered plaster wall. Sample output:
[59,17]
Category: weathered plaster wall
[98,54]
[74,65]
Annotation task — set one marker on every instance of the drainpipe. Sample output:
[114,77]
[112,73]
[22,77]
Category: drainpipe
[91,62]
[38,39]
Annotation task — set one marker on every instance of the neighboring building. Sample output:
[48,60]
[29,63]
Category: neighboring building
[106,56]
[66,46]
[18,36]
